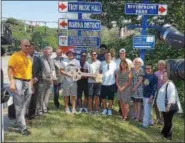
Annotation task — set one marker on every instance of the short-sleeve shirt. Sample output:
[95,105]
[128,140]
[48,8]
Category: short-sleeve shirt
[108,71]
[21,64]
[130,63]
[159,76]
[92,67]
[71,62]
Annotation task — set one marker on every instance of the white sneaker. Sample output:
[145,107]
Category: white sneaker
[74,111]
[81,109]
[104,111]
[96,112]
[86,110]
[67,111]
[110,112]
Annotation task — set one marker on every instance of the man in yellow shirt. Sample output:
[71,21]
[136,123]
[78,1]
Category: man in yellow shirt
[20,75]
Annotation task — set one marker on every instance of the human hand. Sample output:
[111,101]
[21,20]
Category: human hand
[150,101]
[12,86]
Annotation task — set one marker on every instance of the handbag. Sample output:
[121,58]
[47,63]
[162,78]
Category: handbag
[173,107]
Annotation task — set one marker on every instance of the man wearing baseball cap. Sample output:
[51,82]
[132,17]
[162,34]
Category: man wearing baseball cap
[122,55]
[70,86]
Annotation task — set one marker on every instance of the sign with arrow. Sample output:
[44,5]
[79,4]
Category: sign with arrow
[79,24]
[79,41]
[145,9]
[80,7]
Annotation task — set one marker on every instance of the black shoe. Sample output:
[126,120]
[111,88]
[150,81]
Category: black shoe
[169,138]
[25,132]
[119,110]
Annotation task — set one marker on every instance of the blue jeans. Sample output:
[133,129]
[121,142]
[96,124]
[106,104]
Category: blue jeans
[147,117]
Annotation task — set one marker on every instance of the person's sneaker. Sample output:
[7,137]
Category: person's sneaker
[25,132]
[110,112]
[81,109]
[96,112]
[91,112]
[104,111]
[67,111]
[86,110]
[74,111]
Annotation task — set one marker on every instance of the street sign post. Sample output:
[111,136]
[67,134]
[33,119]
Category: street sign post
[145,9]
[80,7]
[79,41]
[144,42]
[79,24]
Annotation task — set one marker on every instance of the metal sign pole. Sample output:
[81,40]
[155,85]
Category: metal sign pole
[144,32]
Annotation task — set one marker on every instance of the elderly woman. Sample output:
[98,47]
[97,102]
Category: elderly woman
[168,96]
[161,69]
[137,90]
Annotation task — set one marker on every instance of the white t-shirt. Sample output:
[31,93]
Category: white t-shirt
[130,63]
[67,62]
[92,67]
[108,71]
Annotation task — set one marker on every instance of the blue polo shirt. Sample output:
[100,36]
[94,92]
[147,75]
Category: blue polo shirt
[150,85]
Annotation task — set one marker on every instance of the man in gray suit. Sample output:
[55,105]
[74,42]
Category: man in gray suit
[37,74]
[48,76]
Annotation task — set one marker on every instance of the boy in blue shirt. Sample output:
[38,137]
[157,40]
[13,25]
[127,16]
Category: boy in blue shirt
[149,92]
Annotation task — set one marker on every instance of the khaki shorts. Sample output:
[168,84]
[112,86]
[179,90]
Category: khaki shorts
[69,88]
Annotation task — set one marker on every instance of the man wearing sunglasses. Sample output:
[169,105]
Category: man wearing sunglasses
[20,75]
[108,69]
[82,86]
[149,92]
[93,66]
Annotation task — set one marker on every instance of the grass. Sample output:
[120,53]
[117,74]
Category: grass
[56,126]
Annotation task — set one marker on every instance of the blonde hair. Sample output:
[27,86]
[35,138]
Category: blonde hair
[162,62]
[139,60]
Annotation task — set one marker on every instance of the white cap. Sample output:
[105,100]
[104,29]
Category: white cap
[122,50]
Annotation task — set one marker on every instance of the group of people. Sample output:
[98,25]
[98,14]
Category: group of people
[32,78]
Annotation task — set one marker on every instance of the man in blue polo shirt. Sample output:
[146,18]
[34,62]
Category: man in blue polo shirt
[149,92]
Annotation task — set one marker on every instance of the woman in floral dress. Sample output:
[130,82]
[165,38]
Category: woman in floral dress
[123,82]
[137,84]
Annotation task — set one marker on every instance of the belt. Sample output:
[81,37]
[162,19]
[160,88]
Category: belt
[22,79]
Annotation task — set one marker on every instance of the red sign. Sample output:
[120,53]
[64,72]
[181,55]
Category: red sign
[162,9]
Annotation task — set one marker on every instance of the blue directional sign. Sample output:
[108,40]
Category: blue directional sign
[144,41]
[79,24]
[80,7]
[145,9]
[79,41]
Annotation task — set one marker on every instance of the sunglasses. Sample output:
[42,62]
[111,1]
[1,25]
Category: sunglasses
[147,68]
[108,66]
[93,54]
[83,55]
[27,45]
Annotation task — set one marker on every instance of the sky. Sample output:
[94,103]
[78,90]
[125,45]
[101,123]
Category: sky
[33,11]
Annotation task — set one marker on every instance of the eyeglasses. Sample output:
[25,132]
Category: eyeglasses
[147,68]
[27,45]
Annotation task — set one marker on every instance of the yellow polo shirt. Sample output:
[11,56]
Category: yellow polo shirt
[21,64]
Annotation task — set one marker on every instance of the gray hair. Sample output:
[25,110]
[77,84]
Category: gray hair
[161,62]
[48,47]
[139,60]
